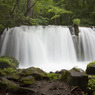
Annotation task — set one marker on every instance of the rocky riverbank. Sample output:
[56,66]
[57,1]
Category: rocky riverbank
[34,81]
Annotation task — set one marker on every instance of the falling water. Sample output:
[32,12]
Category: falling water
[48,47]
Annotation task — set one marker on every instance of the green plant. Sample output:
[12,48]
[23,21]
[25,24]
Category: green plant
[76,21]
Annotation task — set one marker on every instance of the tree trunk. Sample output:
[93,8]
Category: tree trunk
[29,8]
[76,29]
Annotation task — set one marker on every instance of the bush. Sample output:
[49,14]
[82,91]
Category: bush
[76,21]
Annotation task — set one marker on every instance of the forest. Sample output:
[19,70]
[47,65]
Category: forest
[46,12]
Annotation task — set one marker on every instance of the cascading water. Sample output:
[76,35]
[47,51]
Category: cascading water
[86,44]
[47,47]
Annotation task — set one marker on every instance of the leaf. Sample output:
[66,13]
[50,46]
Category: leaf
[55,16]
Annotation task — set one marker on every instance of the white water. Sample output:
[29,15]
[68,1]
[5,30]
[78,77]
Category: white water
[49,47]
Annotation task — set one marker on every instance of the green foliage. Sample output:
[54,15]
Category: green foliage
[76,21]
[60,12]
[91,85]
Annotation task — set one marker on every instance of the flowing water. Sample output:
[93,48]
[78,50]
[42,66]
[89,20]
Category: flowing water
[49,47]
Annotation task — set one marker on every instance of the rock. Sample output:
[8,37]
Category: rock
[37,73]
[8,85]
[14,77]
[7,71]
[27,81]
[91,68]
[6,61]
[75,77]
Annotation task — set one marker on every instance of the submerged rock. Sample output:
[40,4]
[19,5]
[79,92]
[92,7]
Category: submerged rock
[6,61]
[91,68]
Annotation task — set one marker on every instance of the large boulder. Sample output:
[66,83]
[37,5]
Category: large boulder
[91,68]
[37,73]
[75,77]
[6,62]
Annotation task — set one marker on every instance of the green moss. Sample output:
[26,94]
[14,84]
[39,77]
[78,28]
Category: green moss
[35,72]
[6,61]
[7,71]
[91,64]
[53,76]
[65,76]
[8,85]
[25,81]
[76,21]
[14,77]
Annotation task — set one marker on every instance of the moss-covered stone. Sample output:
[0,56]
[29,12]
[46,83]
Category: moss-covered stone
[27,81]
[53,76]
[14,77]
[75,77]
[9,85]
[65,76]
[37,73]
[6,61]
[91,68]
[7,71]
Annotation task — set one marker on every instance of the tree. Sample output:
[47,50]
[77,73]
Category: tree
[29,8]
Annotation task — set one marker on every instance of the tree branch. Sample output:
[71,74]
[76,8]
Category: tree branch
[31,7]
[17,1]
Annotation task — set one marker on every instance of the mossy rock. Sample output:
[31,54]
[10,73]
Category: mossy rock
[9,85]
[7,71]
[75,77]
[27,81]
[65,76]
[14,77]
[37,73]
[53,76]
[91,68]
[6,62]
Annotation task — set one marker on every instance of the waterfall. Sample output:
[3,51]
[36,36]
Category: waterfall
[86,44]
[48,47]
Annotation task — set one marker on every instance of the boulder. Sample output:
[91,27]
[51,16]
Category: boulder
[91,68]
[75,77]
[6,62]
[27,81]
[37,73]
[8,85]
